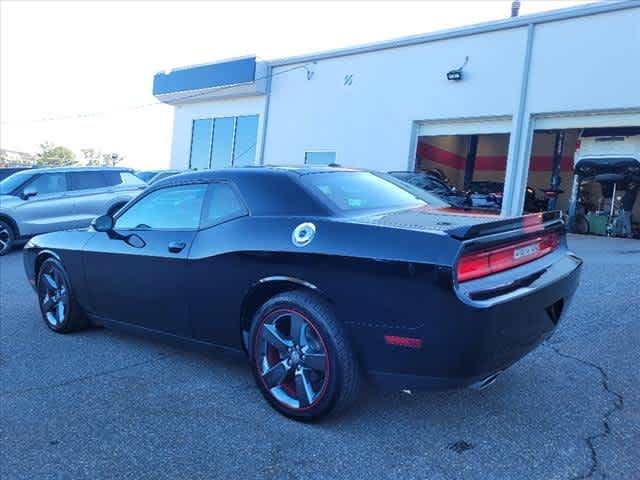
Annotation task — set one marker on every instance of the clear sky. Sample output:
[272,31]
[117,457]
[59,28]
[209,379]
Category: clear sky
[61,59]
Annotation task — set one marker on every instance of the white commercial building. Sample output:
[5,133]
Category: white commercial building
[506,87]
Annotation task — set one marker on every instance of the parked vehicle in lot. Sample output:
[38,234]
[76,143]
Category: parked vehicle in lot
[487,194]
[47,199]
[153,176]
[324,276]
[6,171]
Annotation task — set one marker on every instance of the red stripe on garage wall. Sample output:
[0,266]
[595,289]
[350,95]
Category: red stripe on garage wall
[539,163]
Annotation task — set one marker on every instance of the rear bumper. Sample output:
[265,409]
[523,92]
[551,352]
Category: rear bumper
[466,342]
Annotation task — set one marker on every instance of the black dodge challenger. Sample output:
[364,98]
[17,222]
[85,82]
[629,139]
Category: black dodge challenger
[323,276]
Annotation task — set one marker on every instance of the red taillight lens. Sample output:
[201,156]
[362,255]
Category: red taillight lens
[578,144]
[485,262]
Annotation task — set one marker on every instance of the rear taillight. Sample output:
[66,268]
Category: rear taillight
[578,144]
[503,257]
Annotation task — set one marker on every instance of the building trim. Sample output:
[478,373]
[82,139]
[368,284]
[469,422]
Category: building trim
[507,24]
[513,199]
[265,115]
[203,77]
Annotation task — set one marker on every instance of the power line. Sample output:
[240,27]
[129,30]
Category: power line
[153,104]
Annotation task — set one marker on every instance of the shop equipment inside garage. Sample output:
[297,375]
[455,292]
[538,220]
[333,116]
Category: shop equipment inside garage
[585,172]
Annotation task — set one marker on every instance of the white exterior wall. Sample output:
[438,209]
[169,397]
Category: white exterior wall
[586,63]
[578,66]
[185,114]
[369,123]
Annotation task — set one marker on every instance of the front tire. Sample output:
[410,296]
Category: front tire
[59,308]
[7,238]
[301,357]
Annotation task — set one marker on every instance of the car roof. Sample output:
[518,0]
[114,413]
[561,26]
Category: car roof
[250,171]
[267,190]
[77,169]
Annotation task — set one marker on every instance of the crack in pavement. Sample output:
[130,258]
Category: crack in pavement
[13,393]
[618,404]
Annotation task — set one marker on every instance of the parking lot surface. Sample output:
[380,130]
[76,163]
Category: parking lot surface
[101,404]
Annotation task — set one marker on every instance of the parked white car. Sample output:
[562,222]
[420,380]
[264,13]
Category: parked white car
[48,199]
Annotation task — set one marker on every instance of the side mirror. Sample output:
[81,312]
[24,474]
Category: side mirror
[29,192]
[103,223]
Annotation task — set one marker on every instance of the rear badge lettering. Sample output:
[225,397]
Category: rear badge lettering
[526,251]
[303,234]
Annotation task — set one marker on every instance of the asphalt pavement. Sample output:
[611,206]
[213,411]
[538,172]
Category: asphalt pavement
[101,404]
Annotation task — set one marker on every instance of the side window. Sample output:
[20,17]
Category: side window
[49,183]
[172,208]
[222,204]
[116,178]
[87,180]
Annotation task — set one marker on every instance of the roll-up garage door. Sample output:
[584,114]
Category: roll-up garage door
[587,120]
[465,127]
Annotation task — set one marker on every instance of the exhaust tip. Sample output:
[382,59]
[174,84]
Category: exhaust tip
[482,384]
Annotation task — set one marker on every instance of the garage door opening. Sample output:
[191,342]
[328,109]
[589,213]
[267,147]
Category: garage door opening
[473,165]
[591,175]
[550,170]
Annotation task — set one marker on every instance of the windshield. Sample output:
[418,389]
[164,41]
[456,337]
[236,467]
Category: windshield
[358,191]
[14,181]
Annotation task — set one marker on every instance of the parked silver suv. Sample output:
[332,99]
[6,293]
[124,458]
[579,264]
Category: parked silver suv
[48,199]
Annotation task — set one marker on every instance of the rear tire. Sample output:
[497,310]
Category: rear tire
[301,357]
[58,306]
[7,237]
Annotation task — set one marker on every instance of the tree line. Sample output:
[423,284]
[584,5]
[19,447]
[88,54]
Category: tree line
[52,155]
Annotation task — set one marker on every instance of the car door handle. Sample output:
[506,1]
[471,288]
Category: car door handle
[176,247]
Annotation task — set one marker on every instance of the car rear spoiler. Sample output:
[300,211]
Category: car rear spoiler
[532,222]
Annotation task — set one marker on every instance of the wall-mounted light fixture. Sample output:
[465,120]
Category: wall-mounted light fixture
[456,74]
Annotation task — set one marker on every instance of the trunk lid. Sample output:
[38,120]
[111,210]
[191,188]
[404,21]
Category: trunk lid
[461,224]
[428,219]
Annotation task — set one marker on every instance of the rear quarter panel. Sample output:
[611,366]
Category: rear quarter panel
[371,275]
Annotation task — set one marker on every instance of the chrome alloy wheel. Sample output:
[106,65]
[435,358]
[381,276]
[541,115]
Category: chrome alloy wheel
[53,295]
[292,359]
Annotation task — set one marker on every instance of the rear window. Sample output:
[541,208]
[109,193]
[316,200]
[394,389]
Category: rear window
[121,178]
[423,181]
[357,191]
